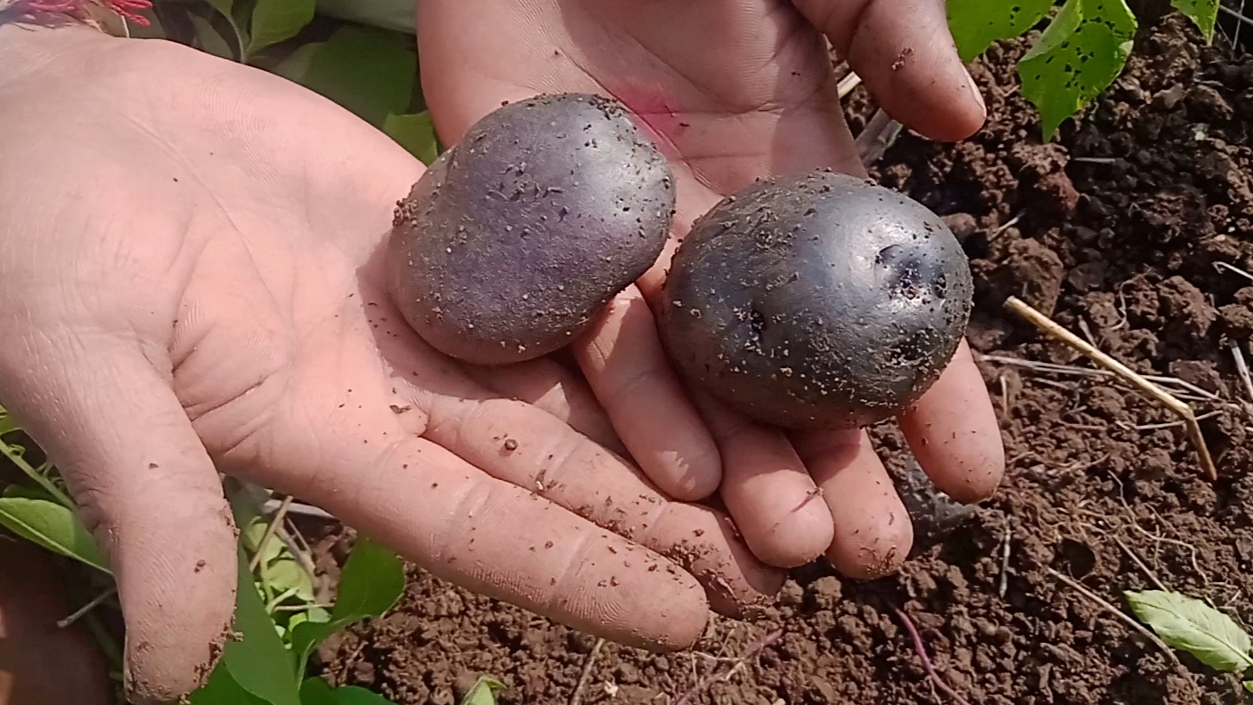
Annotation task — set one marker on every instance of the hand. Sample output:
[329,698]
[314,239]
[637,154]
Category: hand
[190,282]
[733,91]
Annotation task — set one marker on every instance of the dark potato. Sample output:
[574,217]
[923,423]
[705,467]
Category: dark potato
[514,239]
[816,301]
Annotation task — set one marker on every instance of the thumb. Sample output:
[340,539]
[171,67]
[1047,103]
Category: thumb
[904,52]
[148,491]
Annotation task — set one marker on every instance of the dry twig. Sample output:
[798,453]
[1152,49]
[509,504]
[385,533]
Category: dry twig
[1167,424]
[1143,567]
[879,134]
[1152,390]
[1157,538]
[1220,266]
[1242,369]
[298,508]
[1192,391]
[921,648]
[270,530]
[750,653]
[1007,225]
[1105,605]
[1006,549]
[577,694]
[81,611]
[847,84]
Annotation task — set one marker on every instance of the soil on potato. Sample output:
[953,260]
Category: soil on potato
[1114,230]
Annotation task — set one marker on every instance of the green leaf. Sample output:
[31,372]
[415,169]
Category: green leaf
[276,554]
[7,423]
[284,574]
[258,661]
[372,580]
[317,615]
[16,455]
[275,21]
[1080,54]
[356,695]
[1203,13]
[295,65]
[484,692]
[209,40]
[221,689]
[1191,625]
[227,9]
[977,24]
[369,71]
[28,492]
[316,691]
[53,526]
[223,6]
[1248,685]
[416,133]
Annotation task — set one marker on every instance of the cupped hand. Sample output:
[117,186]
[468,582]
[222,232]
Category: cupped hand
[190,282]
[731,91]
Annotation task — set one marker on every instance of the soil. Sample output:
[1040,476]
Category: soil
[1115,231]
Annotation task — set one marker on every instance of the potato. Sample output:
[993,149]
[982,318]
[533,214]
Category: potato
[816,301]
[516,237]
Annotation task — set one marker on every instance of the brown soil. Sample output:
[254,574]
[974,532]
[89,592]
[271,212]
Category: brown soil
[1114,230]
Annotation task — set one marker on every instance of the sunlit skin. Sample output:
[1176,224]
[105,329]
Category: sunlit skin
[732,91]
[190,282]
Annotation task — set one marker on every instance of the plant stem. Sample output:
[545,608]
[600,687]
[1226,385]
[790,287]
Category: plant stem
[275,522]
[82,611]
[110,648]
[15,456]
[577,694]
[304,607]
[270,607]
[921,649]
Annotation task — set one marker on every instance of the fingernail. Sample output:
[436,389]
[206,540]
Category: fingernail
[974,91]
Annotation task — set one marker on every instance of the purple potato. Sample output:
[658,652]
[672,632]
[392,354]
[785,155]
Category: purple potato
[518,236]
[816,301]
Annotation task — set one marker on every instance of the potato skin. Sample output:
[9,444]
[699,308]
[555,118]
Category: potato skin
[516,237]
[816,301]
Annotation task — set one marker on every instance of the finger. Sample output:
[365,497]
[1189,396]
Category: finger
[953,432]
[768,490]
[904,52]
[873,534]
[547,384]
[326,433]
[508,543]
[522,445]
[150,494]
[536,451]
[630,374]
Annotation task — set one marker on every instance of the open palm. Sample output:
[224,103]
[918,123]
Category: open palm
[731,91]
[190,282]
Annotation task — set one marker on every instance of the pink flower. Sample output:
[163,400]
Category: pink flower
[126,8]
